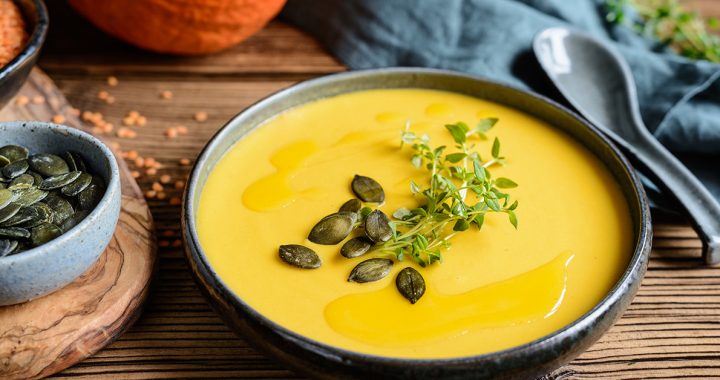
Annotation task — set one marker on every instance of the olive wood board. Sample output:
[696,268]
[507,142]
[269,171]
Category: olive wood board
[48,334]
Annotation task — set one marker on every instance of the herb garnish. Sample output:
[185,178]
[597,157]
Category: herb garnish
[686,32]
[460,192]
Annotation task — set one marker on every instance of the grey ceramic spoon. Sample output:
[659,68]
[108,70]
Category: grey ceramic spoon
[597,81]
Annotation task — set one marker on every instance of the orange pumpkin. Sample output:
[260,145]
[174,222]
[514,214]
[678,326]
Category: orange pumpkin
[180,27]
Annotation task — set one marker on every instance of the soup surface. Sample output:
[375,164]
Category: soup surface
[496,288]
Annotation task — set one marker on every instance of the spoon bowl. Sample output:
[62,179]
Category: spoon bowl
[598,82]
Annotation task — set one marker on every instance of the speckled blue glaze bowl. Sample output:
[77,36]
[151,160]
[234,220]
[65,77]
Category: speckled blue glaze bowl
[14,74]
[44,269]
[320,360]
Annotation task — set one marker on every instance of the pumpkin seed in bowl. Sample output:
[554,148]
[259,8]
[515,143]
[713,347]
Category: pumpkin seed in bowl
[42,196]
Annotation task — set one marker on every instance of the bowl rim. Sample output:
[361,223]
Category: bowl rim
[34,42]
[113,185]
[636,265]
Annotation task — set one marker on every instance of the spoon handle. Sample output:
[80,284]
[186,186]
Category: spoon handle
[701,207]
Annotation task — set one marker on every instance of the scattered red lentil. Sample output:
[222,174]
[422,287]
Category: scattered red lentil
[171,133]
[184,162]
[125,132]
[157,186]
[164,243]
[179,185]
[135,174]
[112,81]
[150,194]
[58,119]
[141,121]
[175,201]
[102,95]
[200,116]
[165,179]
[161,195]
[181,129]
[166,94]
[176,243]
[151,171]
[38,99]
[131,154]
[22,100]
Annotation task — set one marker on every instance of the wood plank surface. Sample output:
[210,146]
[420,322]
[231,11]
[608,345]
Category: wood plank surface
[671,330]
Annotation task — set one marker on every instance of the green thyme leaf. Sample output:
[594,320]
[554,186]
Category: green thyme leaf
[496,148]
[505,183]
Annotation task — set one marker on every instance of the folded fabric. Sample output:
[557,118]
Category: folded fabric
[679,98]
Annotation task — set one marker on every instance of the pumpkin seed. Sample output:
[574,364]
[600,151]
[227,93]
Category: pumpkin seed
[24,215]
[356,247]
[411,284]
[73,220]
[14,152]
[333,228]
[371,270]
[3,161]
[15,168]
[62,209]
[2,185]
[377,227]
[74,161]
[58,181]
[6,196]
[300,256]
[79,184]
[352,205]
[23,181]
[14,233]
[37,177]
[48,164]
[7,246]
[44,233]
[367,189]
[91,195]
[44,215]
[8,212]
[26,197]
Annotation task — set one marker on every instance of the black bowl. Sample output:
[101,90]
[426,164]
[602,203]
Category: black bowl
[321,360]
[14,74]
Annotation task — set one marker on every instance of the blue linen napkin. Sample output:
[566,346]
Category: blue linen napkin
[679,98]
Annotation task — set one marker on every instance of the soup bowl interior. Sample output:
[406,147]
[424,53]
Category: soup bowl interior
[324,361]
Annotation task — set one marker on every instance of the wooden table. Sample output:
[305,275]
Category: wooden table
[671,330]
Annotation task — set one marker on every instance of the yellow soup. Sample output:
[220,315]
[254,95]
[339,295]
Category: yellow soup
[496,288]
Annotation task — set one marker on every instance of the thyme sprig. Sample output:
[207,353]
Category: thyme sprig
[460,192]
[686,32]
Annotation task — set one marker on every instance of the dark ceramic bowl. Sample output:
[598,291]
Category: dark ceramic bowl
[323,361]
[14,74]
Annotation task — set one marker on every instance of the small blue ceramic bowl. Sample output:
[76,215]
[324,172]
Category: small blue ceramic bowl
[14,74]
[44,269]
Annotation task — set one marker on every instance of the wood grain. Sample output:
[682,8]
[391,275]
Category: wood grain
[672,329]
[46,335]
